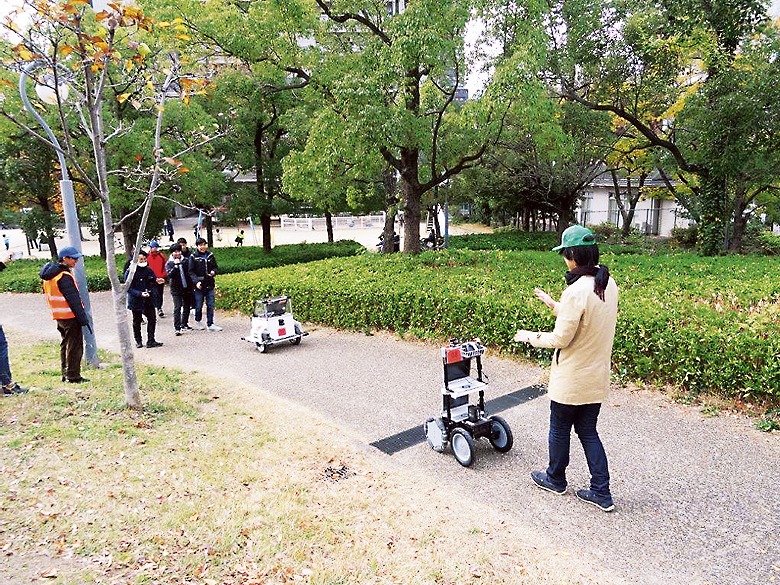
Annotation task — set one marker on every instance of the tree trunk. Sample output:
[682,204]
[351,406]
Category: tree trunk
[102,240]
[265,197]
[119,296]
[329,225]
[388,232]
[565,219]
[412,196]
[208,223]
[740,223]
[712,233]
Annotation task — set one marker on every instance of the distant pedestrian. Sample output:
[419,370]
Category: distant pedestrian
[141,300]
[62,295]
[157,262]
[181,289]
[6,381]
[240,238]
[580,373]
[6,241]
[168,228]
[203,268]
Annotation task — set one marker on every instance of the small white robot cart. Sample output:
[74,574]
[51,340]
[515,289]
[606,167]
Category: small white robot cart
[461,421]
[272,323]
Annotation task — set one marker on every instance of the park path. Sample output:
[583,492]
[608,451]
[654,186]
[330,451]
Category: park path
[697,497]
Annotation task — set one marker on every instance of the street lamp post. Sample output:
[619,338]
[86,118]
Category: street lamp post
[69,209]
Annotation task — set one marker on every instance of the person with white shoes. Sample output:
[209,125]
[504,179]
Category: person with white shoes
[202,268]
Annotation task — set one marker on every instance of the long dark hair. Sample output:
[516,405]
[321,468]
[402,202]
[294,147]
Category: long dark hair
[587,260]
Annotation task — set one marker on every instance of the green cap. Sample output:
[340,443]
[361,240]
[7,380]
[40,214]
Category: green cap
[576,235]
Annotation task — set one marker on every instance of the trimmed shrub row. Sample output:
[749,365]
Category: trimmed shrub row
[22,276]
[705,325]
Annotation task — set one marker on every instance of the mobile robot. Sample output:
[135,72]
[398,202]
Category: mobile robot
[461,421]
[272,323]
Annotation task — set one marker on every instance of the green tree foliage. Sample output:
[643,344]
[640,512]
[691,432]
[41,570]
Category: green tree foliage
[684,75]
[535,174]
[390,82]
[259,65]
[27,181]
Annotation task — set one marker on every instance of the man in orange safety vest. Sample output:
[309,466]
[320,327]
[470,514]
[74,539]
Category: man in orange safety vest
[62,295]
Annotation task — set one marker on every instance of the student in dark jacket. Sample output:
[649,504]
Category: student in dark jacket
[203,268]
[181,289]
[141,300]
[62,296]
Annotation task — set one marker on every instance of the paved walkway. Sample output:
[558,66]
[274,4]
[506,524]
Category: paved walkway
[697,498]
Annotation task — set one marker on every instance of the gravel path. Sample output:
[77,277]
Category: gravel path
[697,498]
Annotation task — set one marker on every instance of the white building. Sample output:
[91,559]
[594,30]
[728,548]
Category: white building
[653,216]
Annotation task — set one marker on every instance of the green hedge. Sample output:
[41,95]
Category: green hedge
[505,240]
[22,276]
[706,325]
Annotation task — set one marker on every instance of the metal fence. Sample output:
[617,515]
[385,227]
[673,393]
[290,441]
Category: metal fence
[339,222]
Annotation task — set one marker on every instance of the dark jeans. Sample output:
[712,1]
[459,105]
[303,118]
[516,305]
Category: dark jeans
[71,348]
[151,323]
[208,296]
[583,418]
[182,303]
[5,367]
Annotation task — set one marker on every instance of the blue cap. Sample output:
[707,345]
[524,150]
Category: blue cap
[154,244]
[69,252]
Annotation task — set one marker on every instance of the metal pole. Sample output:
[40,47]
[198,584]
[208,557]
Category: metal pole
[71,217]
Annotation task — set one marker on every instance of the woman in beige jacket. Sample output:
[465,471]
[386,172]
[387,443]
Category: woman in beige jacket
[580,372]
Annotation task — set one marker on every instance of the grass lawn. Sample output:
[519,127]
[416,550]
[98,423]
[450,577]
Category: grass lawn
[215,484]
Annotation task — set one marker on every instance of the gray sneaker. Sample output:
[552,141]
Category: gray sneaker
[13,388]
[541,480]
[603,503]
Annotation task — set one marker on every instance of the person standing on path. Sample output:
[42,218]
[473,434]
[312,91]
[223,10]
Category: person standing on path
[141,301]
[203,268]
[168,228]
[6,241]
[240,238]
[6,381]
[181,289]
[62,295]
[582,339]
[157,260]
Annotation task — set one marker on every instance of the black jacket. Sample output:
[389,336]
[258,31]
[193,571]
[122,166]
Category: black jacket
[178,276]
[199,267]
[143,280]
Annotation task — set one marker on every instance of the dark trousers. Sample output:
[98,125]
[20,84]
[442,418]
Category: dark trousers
[583,418]
[151,323]
[71,348]
[182,303]
[5,367]
[158,301]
